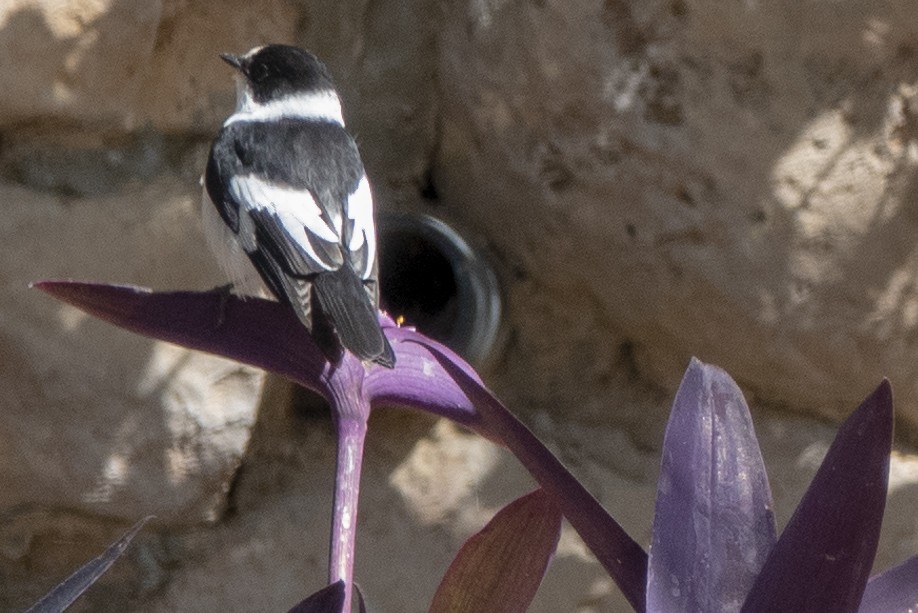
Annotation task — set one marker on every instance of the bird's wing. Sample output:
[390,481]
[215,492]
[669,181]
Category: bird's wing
[287,223]
[360,232]
[288,228]
[221,163]
[296,292]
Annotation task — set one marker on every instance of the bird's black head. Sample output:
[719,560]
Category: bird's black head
[277,71]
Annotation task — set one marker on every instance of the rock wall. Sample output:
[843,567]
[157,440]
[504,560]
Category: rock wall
[652,180]
[733,182]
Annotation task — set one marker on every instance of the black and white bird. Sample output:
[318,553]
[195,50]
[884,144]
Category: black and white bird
[287,204]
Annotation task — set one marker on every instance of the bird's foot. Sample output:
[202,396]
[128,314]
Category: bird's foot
[223,292]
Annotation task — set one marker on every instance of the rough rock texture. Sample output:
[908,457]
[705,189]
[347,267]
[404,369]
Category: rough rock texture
[427,487]
[96,419]
[735,182]
[652,180]
[117,65]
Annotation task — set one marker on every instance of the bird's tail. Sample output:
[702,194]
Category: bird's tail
[344,300]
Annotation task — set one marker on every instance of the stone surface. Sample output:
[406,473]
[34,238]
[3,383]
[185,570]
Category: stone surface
[74,61]
[735,183]
[427,486]
[128,64]
[652,179]
[94,418]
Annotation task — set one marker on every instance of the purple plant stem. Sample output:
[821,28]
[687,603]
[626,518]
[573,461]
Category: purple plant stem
[621,556]
[351,435]
[350,411]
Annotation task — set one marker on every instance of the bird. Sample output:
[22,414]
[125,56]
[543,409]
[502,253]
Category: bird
[287,207]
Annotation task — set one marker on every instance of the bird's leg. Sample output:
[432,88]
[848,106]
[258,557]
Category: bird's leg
[223,292]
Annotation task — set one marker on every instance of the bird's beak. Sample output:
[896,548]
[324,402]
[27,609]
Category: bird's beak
[233,60]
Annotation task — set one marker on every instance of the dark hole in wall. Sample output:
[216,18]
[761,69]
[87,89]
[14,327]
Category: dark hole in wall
[417,282]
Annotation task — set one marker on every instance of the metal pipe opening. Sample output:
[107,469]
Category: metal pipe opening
[433,278]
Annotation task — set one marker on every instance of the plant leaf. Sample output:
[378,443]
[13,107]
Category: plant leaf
[823,558]
[329,599]
[361,602]
[259,332]
[713,523]
[73,586]
[620,555]
[893,591]
[266,334]
[421,382]
[500,568]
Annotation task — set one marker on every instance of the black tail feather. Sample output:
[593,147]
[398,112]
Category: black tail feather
[343,299]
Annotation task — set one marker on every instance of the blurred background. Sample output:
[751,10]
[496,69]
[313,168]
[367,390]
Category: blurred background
[646,181]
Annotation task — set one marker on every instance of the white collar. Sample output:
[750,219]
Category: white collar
[322,105]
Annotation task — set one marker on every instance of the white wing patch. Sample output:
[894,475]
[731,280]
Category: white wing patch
[360,210]
[296,209]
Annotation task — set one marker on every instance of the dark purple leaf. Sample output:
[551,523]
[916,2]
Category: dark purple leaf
[421,382]
[893,591]
[713,526]
[823,558]
[266,334]
[500,568]
[329,599]
[361,602]
[73,586]
[619,554]
[428,377]
[254,331]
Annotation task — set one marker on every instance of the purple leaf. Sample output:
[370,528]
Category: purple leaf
[713,525]
[619,554]
[428,376]
[73,586]
[421,381]
[259,332]
[361,603]
[823,558]
[893,591]
[500,568]
[267,335]
[330,599]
